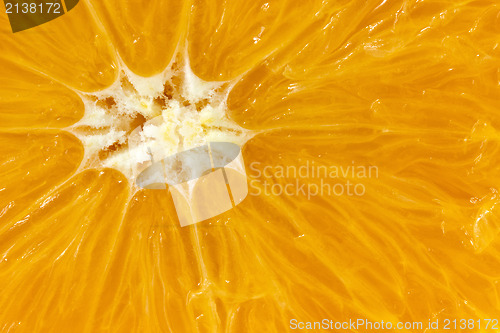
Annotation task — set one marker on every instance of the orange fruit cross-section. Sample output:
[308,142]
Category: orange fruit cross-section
[407,90]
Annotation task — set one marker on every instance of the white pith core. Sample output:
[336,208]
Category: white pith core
[175,109]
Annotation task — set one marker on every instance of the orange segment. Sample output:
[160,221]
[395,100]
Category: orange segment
[30,100]
[31,165]
[65,275]
[396,40]
[149,259]
[264,99]
[186,271]
[72,49]
[228,38]
[324,232]
[339,76]
[145,34]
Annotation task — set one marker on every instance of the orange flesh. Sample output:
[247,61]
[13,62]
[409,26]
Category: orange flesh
[410,87]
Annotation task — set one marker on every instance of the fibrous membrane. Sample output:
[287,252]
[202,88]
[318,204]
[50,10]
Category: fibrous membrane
[166,114]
